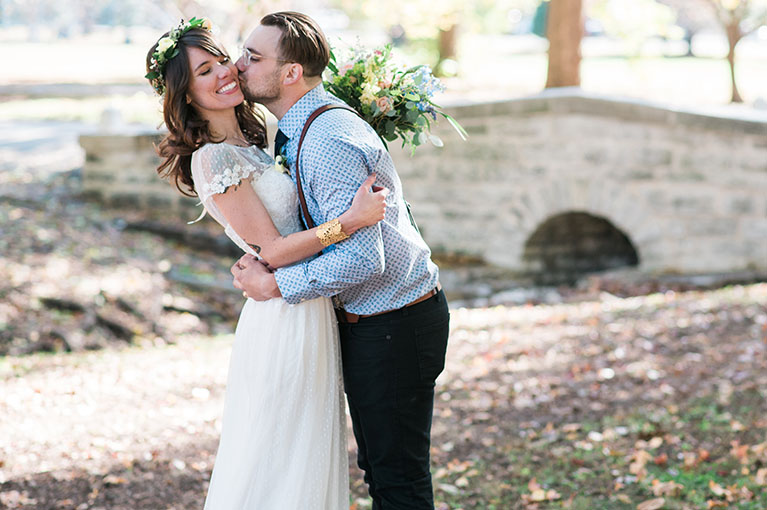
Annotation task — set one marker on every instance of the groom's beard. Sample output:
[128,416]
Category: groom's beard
[267,92]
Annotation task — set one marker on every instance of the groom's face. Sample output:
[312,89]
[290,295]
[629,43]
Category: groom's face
[262,73]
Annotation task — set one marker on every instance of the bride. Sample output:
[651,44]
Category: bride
[283,442]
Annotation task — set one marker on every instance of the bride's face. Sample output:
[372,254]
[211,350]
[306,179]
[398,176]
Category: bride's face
[213,85]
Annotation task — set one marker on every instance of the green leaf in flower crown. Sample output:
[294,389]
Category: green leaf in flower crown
[152,75]
[175,53]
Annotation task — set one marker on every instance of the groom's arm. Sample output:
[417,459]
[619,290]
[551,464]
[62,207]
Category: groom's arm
[334,167]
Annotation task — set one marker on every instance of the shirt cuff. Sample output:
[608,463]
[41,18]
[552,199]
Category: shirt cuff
[294,283]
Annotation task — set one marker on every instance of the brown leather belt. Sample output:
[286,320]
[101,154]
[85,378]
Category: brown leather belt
[353,318]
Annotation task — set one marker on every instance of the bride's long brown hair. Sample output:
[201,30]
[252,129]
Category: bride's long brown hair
[187,130]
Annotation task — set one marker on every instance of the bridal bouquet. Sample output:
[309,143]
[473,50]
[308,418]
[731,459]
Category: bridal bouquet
[395,101]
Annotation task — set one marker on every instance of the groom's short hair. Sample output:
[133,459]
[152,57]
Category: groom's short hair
[302,40]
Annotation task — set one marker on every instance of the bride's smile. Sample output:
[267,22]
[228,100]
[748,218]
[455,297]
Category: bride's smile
[229,88]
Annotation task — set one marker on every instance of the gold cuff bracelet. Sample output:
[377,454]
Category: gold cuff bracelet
[331,232]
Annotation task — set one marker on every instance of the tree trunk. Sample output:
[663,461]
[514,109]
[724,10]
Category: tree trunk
[734,36]
[448,42]
[447,46]
[564,29]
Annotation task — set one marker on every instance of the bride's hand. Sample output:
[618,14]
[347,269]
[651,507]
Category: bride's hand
[367,207]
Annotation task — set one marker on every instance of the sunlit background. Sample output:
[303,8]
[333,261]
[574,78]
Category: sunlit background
[72,59]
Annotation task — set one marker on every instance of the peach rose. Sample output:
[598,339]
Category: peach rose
[384,104]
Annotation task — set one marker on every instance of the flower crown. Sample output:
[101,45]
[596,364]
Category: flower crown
[167,49]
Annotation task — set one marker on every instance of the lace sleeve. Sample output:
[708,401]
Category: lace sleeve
[217,166]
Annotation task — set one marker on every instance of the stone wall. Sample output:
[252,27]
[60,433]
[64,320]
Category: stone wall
[120,171]
[687,190]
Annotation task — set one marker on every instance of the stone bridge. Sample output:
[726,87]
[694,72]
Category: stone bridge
[557,185]
[563,183]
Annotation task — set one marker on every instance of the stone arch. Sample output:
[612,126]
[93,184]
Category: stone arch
[626,209]
[569,245]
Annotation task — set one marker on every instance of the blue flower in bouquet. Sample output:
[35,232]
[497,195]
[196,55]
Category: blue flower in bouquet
[395,101]
[427,82]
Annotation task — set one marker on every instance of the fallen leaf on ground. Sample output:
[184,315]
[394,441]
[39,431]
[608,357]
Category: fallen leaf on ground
[670,488]
[717,489]
[652,504]
[740,451]
[637,467]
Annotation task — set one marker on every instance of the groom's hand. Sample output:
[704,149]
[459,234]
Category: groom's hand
[255,279]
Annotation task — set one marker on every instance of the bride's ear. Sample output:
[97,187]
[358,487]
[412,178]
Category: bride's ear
[295,73]
[188,99]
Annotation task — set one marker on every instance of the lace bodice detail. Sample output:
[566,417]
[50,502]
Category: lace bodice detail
[217,166]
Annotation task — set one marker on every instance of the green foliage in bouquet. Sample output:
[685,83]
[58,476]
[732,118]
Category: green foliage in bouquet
[395,101]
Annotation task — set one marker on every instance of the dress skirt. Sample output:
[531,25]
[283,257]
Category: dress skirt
[283,438]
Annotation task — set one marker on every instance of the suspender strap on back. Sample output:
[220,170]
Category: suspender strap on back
[316,113]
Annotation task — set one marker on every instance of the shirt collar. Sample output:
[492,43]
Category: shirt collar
[293,121]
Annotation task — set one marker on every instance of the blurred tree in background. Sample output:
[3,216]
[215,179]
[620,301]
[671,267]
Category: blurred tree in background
[738,18]
[564,30]
[437,32]
[438,25]
[635,21]
[562,22]
[692,16]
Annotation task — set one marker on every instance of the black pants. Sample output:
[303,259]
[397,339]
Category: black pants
[390,362]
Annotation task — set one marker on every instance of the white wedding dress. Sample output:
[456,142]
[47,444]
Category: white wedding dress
[283,440]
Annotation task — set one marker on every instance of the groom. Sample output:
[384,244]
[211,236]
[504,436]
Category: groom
[393,316]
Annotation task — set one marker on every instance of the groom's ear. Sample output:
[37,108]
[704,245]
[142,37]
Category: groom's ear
[294,75]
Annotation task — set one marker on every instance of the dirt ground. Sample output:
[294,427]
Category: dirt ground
[136,428]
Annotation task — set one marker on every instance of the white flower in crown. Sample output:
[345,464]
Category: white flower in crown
[164,43]
[280,165]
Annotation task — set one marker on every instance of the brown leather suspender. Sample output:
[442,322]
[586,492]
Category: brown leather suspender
[319,111]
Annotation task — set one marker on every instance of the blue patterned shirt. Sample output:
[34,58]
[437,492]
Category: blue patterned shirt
[379,268]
